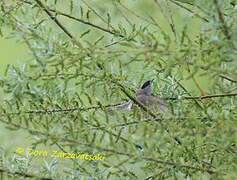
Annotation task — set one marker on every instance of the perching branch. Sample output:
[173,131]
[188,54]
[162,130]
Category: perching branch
[209,96]
[63,110]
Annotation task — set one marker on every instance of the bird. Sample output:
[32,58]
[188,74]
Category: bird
[145,96]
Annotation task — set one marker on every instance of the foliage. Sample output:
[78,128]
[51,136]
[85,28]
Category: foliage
[87,56]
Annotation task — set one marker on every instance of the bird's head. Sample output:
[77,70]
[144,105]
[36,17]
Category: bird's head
[147,87]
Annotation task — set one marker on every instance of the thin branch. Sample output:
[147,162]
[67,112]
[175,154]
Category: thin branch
[53,137]
[121,12]
[222,20]
[64,110]
[228,78]
[87,23]
[172,22]
[189,10]
[58,23]
[188,93]
[224,25]
[23,174]
[195,82]
[85,2]
[142,18]
[205,97]
[115,42]
[18,5]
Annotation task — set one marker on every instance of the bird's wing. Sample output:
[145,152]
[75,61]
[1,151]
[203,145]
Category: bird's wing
[162,104]
[160,101]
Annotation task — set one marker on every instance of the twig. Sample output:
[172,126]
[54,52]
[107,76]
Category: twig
[121,12]
[24,174]
[58,23]
[64,110]
[142,18]
[85,2]
[115,42]
[189,10]
[205,97]
[224,25]
[195,82]
[207,68]
[228,78]
[18,5]
[188,93]
[172,22]
[222,20]
[162,11]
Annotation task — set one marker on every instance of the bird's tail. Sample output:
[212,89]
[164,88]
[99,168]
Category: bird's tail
[127,105]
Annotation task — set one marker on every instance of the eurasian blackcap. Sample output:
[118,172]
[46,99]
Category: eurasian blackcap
[146,98]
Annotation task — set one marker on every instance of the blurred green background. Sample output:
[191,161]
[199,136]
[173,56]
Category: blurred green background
[11,51]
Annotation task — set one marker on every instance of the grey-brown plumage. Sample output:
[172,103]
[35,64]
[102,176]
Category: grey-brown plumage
[145,97]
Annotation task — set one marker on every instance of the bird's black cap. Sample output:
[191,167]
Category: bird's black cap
[147,83]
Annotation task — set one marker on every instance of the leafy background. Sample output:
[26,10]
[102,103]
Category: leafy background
[68,73]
